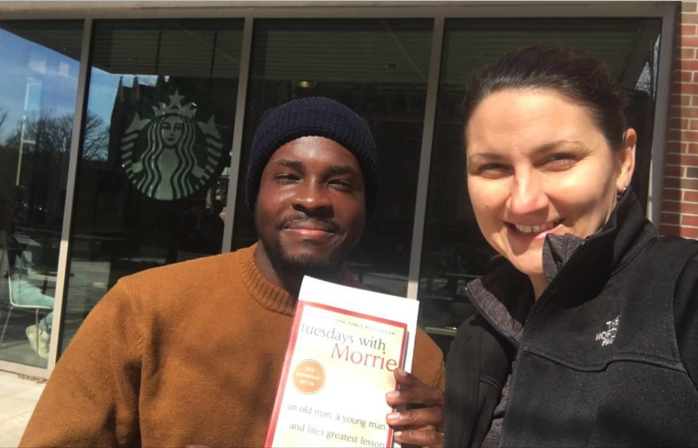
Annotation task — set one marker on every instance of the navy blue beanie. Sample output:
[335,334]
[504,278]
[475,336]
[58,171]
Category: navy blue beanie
[313,116]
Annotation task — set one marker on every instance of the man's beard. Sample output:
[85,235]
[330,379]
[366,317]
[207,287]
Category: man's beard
[324,269]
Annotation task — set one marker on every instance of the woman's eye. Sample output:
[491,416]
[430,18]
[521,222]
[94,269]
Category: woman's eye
[560,160]
[492,169]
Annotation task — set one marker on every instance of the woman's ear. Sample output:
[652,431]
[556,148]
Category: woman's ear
[626,160]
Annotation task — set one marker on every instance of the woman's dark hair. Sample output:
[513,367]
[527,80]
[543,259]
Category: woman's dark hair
[570,72]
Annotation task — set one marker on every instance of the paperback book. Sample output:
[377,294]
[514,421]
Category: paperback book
[345,344]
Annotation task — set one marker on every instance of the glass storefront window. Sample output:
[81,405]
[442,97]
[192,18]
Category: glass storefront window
[154,160]
[38,85]
[153,172]
[454,252]
[378,68]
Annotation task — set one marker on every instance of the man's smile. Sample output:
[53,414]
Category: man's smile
[310,229]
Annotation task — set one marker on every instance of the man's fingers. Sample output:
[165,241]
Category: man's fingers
[423,417]
[424,395]
[406,378]
[414,437]
[413,391]
[417,427]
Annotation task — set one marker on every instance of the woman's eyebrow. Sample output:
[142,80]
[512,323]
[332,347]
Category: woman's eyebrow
[537,151]
[547,147]
[487,155]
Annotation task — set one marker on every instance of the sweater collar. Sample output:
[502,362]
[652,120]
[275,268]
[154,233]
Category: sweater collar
[267,294]
[505,296]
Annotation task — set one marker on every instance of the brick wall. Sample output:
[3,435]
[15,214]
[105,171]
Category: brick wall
[680,201]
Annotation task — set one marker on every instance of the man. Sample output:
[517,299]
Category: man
[192,353]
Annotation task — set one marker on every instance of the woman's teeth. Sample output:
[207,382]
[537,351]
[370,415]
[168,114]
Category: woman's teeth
[535,229]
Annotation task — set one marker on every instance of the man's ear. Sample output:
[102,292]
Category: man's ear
[626,159]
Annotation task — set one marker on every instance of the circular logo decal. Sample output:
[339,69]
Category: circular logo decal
[309,376]
[170,155]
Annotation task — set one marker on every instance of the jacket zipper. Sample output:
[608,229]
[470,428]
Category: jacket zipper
[514,344]
[515,368]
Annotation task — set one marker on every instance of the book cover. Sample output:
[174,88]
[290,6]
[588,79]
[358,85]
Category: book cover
[399,309]
[338,367]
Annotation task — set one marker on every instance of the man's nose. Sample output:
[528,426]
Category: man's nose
[527,195]
[313,198]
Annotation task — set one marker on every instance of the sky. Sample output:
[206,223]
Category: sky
[36,77]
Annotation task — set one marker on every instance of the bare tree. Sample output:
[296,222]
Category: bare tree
[54,134]
[96,142]
[3,117]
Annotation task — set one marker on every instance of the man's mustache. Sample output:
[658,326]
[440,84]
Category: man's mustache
[301,217]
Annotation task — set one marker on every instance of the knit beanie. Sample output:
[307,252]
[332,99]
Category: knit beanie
[313,116]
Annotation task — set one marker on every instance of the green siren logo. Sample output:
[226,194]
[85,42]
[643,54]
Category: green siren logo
[170,156]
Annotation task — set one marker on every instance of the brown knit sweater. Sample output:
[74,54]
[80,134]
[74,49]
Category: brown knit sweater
[186,354]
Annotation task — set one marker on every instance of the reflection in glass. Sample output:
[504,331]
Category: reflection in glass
[378,68]
[454,251]
[152,177]
[38,85]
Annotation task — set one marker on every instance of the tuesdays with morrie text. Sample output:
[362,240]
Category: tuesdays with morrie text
[344,348]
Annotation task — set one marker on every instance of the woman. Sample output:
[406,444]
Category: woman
[589,330]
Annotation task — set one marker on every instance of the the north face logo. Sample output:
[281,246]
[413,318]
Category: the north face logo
[607,337]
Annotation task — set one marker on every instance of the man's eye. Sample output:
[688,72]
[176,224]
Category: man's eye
[286,178]
[342,184]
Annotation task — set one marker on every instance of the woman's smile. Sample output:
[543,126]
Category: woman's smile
[518,234]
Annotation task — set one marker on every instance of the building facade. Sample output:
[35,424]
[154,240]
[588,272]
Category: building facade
[125,129]
[680,205]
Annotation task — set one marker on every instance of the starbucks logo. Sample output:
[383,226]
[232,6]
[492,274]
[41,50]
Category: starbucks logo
[171,155]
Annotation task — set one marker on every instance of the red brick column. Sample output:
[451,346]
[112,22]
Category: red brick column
[680,201]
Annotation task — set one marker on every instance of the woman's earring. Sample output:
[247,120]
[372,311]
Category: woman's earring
[620,193]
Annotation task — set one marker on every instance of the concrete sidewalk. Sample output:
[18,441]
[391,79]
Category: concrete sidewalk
[18,396]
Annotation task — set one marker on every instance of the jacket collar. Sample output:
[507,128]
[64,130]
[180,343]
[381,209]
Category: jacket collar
[505,296]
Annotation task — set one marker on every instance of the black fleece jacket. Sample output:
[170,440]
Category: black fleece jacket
[607,356]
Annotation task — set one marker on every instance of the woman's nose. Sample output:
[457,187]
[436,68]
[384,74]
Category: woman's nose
[527,195]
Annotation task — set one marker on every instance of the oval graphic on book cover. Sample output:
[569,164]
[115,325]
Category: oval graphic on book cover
[309,376]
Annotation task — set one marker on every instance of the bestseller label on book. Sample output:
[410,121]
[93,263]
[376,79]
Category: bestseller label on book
[339,365]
